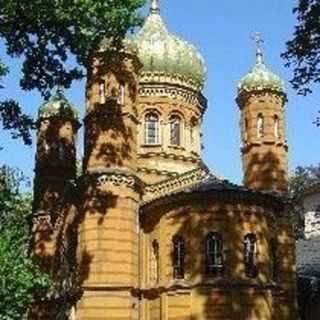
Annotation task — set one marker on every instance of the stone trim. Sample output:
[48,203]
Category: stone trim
[220,284]
[116,177]
[173,185]
[171,156]
[176,197]
[245,96]
[42,219]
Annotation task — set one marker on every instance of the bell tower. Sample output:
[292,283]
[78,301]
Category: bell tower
[109,228]
[261,99]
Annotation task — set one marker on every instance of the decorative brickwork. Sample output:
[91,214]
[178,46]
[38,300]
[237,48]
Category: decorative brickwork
[128,239]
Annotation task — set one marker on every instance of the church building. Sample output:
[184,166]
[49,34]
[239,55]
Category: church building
[145,231]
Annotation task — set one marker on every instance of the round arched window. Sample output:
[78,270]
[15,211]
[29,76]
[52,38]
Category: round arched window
[151,130]
[175,130]
[276,127]
[260,126]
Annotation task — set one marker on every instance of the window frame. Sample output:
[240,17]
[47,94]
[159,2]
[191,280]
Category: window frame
[260,128]
[178,264]
[122,93]
[214,259]
[155,259]
[175,127]
[274,260]
[276,123]
[250,255]
[151,140]
[102,92]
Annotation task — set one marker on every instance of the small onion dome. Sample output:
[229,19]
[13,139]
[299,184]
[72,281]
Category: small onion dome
[166,57]
[58,105]
[261,78]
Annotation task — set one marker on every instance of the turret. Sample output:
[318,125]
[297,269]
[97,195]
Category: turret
[111,123]
[261,99]
[111,190]
[57,127]
[55,168]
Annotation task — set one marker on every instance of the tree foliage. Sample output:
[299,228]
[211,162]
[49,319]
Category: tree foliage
[19,277]
[303,50]
[54,39]
[302,179]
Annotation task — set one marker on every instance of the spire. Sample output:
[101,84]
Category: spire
[259,42]
[154,6]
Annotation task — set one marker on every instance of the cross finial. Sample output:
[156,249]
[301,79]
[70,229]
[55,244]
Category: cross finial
[259,42]
[154,7]
[59,89]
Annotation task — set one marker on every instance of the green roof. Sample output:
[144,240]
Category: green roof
[58,105]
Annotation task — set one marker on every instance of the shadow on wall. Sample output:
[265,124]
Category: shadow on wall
[109,135]
[232,295]
[108,138]
[309,298]
[264,171]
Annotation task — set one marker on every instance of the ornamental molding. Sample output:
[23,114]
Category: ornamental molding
[175,92]
[102,178]
[167,155]
[174,185]
[42,220]
[246,97]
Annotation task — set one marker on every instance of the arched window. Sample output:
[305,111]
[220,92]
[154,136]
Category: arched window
[151,129]
[245,133]
[214,254]
[102,92]
[122,93]
[276,127]
[250,252]
[178,257]
[175,130]
[274,260]
[154,262]
[260,125]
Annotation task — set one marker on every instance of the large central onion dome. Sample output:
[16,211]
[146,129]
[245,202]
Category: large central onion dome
[166,57]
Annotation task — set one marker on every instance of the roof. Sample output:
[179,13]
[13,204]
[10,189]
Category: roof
[211,183]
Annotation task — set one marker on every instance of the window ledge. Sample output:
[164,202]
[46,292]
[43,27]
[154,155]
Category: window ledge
[172,146]
[146,145]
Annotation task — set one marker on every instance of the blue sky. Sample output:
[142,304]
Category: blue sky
[221,31]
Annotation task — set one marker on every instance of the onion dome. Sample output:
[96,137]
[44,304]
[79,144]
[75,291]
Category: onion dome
[126,46]
[58,105]
[166,57]
[260,77]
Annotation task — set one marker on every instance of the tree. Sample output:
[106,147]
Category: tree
[55,38]
[19,277]
[303,50]
[302,179]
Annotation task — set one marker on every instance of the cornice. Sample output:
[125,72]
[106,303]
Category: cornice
[173,91]
[169,155]
[185,286]
[114,176]
[245,96]
[174,185]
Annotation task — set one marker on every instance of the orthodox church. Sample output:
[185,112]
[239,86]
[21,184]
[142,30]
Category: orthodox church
[146,231]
